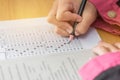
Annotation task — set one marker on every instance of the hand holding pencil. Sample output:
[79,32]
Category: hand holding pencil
[64,13]
[80,12]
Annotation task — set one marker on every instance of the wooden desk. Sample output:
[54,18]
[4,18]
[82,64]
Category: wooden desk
[17,9]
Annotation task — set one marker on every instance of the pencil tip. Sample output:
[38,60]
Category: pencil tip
[69,42]
[70,39]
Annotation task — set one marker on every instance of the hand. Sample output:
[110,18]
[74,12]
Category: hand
[63,14]
[104,48]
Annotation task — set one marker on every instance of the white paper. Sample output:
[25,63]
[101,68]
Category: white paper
[50,67]
[30,37]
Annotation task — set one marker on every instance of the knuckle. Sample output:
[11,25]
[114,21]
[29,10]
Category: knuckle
[59,17]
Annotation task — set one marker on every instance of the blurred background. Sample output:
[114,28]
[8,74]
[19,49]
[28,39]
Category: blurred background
[17,9]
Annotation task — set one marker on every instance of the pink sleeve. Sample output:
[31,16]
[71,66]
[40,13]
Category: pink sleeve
[98,64]
[104,7]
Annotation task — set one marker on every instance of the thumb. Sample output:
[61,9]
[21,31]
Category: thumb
[81,28]
[84,25]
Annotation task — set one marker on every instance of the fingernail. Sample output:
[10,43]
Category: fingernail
[69,30]
[78,19]
[77,33]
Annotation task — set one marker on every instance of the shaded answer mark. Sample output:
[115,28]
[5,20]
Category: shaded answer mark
[16,50]
[34,48]
[32,51]
[27,49]
[21,53]
[24,51]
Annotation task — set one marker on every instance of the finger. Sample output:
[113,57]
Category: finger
[100,50]
[61,32]
[117,45]
[66,11]
[62,25]
[68,16]
[81,28]
[65,26]
[52,19]
[111,47]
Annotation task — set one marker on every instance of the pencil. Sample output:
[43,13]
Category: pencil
[80,11]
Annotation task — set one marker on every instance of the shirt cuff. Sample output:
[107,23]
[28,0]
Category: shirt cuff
[104,7]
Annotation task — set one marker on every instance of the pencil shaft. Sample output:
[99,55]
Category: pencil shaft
[82,6]
[80,11]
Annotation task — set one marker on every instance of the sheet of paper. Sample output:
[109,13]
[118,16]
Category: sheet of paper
[30,37]
[49,67]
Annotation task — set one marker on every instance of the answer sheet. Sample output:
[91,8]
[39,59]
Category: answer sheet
[30,37]
[50,67]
